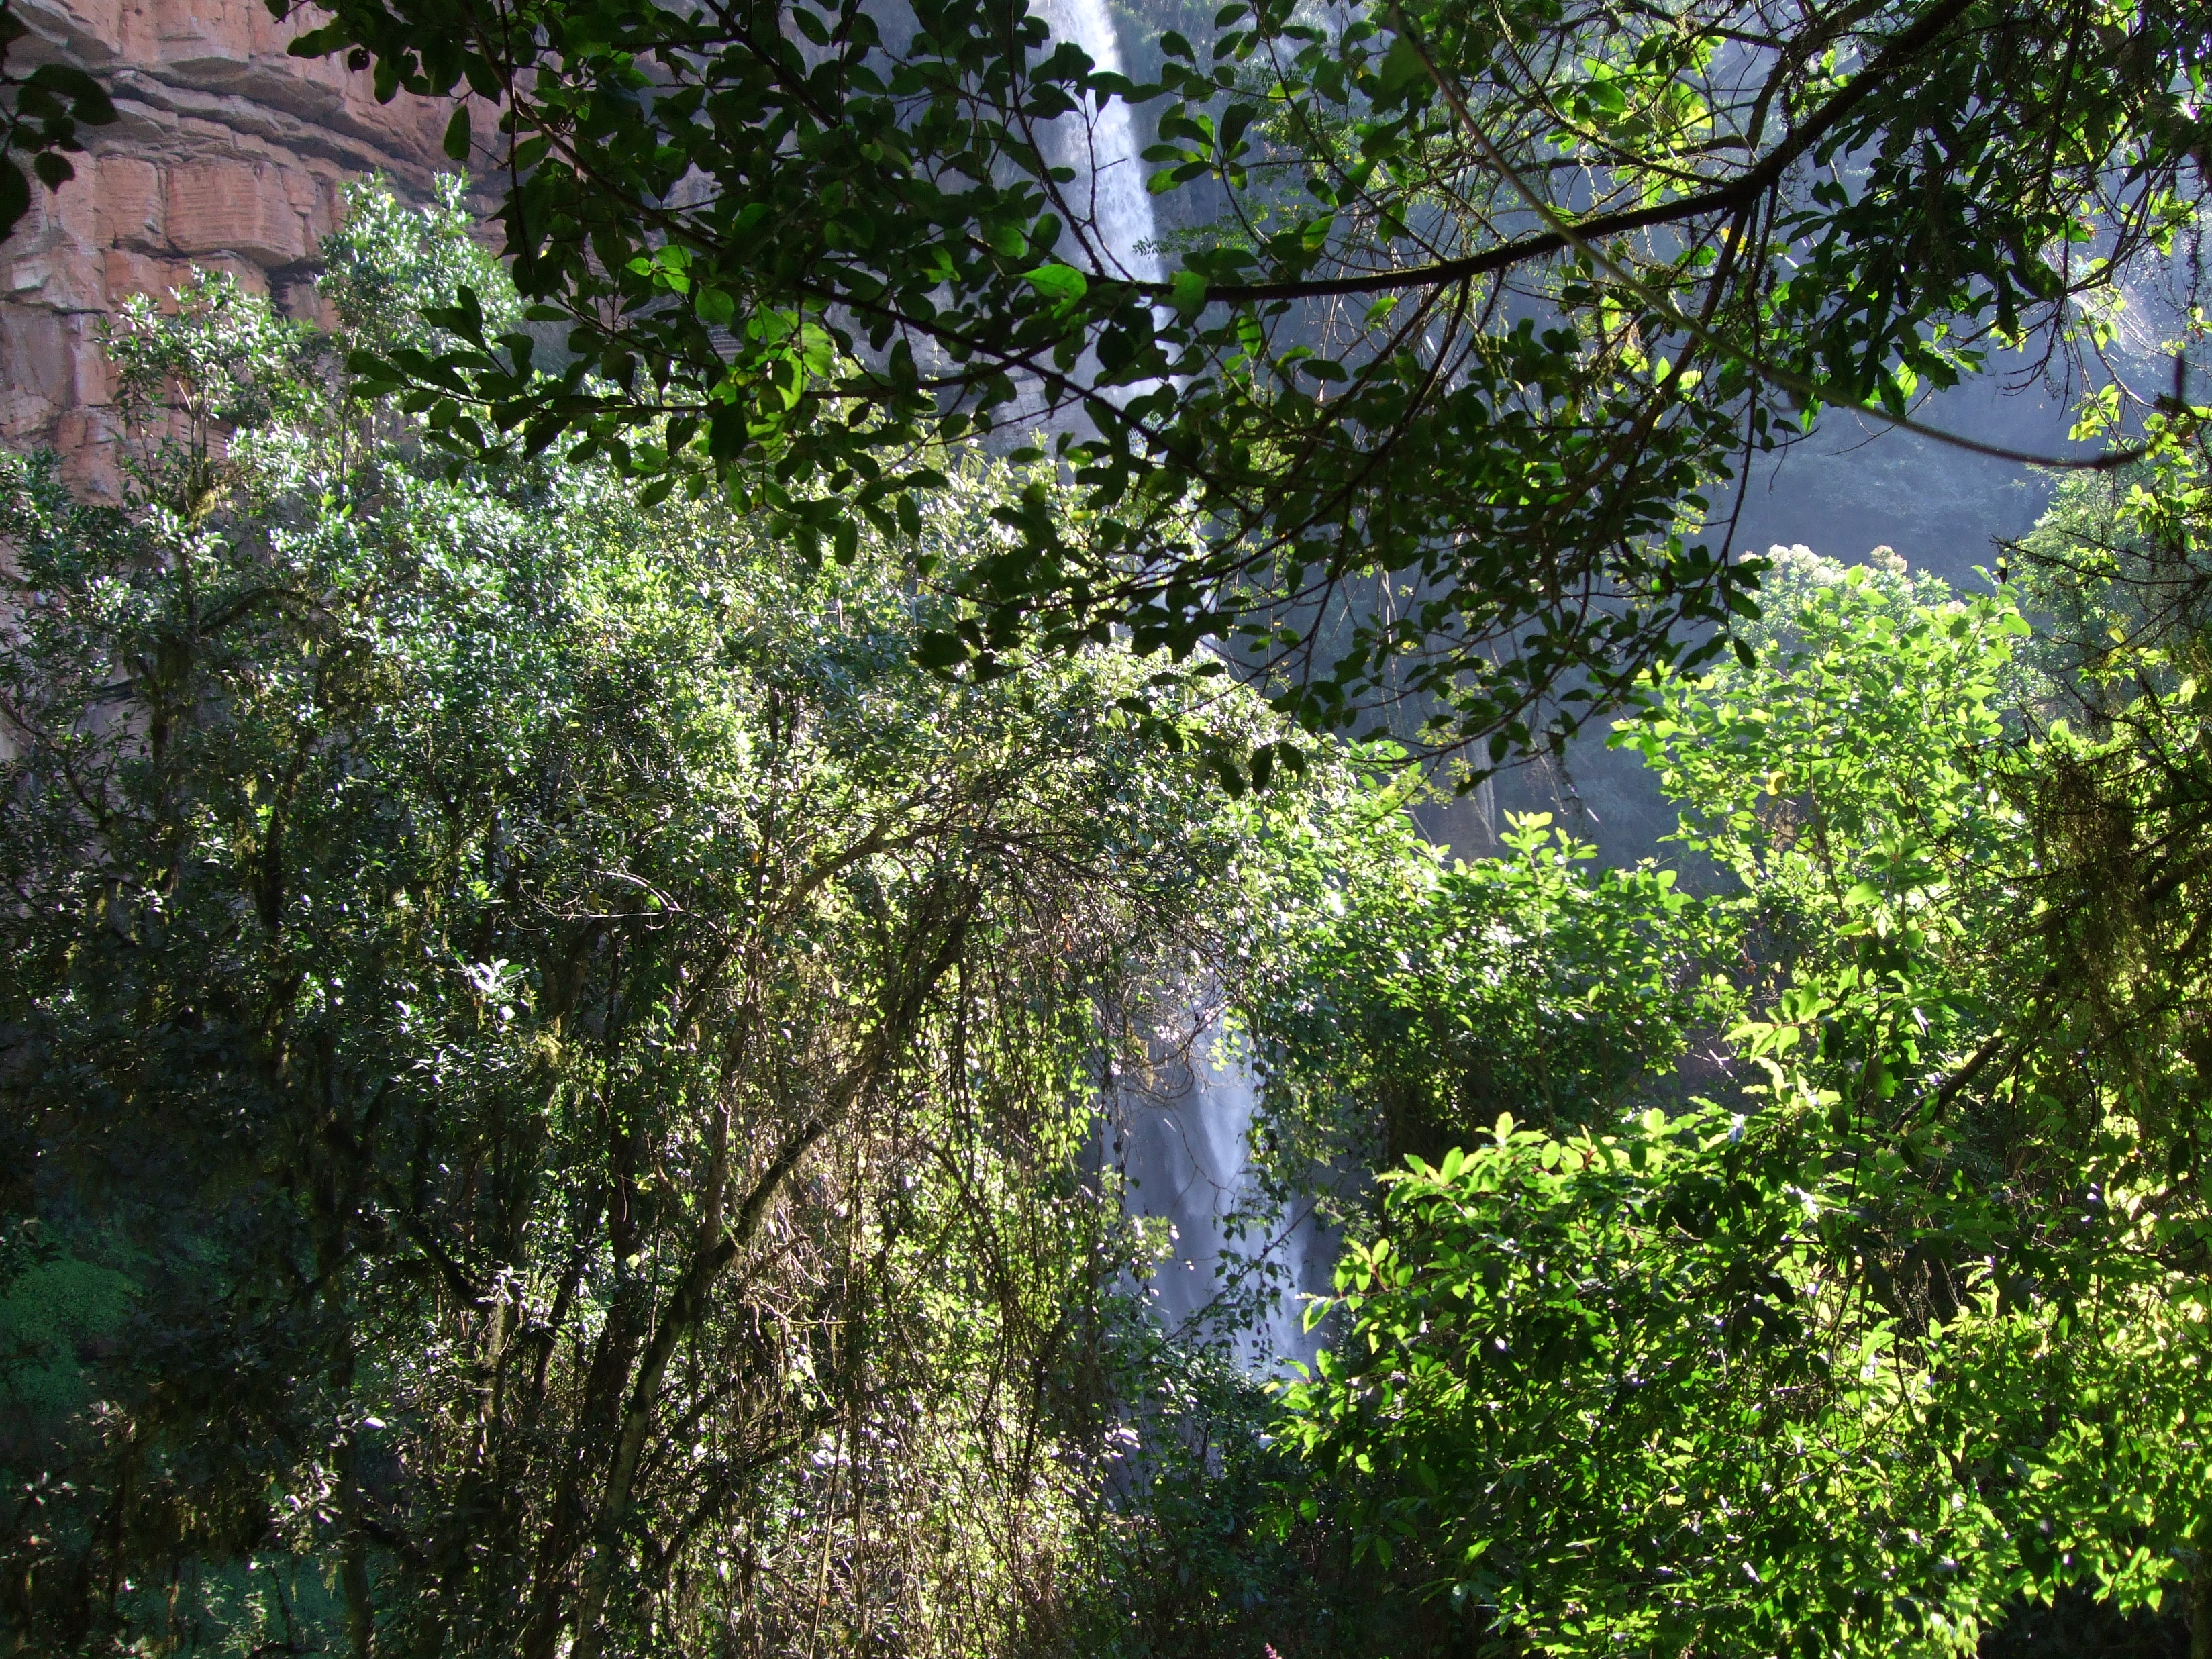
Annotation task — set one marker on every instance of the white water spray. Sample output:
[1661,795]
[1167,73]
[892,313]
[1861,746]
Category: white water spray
[1100,143]
[1187,1149]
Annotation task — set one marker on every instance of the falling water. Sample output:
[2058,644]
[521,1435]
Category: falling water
[1100,142]
[1111,227]
[1186,1147]
[1186,1150]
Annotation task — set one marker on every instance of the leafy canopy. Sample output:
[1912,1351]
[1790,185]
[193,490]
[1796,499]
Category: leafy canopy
[1457,322]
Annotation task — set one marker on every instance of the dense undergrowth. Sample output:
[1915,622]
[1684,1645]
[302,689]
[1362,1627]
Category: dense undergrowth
[550,1081]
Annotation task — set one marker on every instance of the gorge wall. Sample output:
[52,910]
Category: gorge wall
[228,155]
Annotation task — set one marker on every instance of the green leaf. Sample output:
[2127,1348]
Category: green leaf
[715,307]
[940,649]
[1402,67]
[1063,285]
[1188,293]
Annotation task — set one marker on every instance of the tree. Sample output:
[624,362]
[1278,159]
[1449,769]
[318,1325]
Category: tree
[1903,1326]
[1462,319]
[547,1068]
[1430,998]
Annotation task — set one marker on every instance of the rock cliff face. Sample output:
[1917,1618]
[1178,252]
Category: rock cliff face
[228,155]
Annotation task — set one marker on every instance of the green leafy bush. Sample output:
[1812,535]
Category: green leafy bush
[1903,1326]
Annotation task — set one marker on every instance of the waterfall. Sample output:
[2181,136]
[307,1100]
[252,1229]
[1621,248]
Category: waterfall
[1111,227]
[1186,1149]
[1101,145]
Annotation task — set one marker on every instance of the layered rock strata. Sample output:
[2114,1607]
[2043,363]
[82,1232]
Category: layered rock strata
[228,155]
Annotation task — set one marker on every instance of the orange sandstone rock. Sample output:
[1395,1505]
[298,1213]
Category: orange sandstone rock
[228,155]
